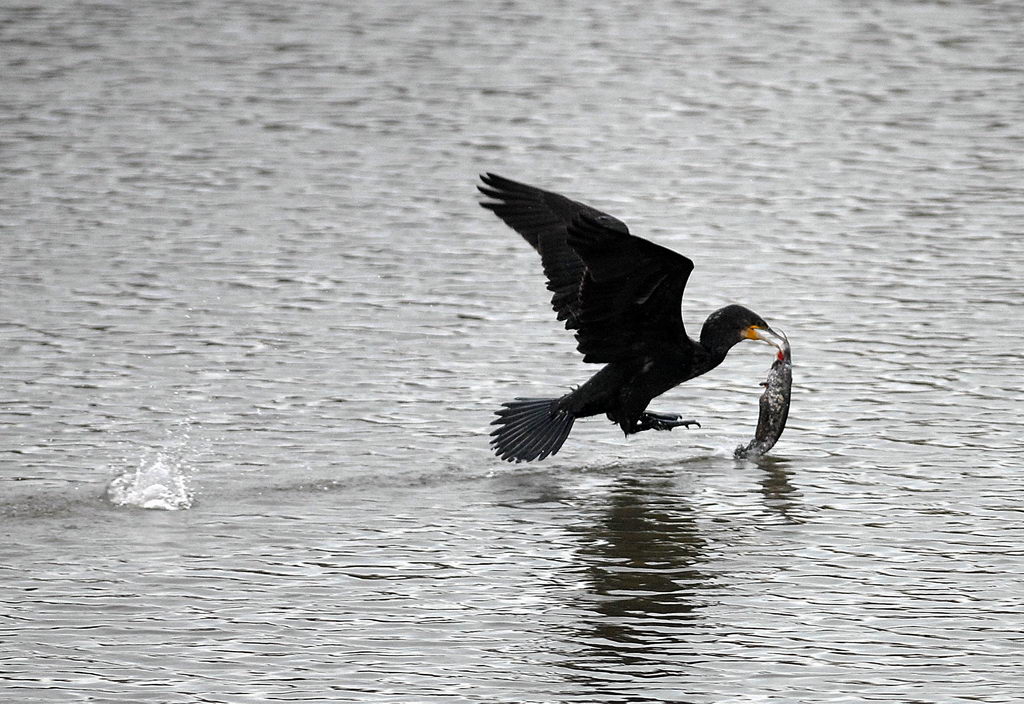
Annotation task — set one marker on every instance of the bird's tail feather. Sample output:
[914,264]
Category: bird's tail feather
[530,429]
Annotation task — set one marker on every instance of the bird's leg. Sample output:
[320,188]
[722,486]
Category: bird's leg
[662,421]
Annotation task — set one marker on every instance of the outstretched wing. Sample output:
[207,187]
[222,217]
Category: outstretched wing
[543,219]
[631,293]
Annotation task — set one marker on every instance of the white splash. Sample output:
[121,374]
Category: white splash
[159,481]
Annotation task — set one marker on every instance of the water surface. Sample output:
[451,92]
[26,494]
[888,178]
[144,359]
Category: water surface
[243,275]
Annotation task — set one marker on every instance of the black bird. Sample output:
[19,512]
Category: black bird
[622,295]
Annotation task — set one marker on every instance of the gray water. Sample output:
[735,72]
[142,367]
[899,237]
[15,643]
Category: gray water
[245,282]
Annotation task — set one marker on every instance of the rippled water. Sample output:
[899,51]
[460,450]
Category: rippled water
[244,276]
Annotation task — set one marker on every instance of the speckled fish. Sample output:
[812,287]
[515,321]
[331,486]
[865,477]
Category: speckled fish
[774,406]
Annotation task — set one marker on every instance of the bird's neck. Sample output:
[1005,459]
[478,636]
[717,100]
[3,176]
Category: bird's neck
[712,356]
[715,345]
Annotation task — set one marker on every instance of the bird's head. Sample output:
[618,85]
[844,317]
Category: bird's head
[733,324]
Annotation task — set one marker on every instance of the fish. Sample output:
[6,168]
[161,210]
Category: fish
[774,405]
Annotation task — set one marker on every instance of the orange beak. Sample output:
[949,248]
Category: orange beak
[765,334]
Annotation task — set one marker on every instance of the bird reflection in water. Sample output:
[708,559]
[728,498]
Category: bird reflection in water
[642,555]
[650,572]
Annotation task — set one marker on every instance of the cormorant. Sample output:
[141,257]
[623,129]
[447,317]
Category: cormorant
[622,296]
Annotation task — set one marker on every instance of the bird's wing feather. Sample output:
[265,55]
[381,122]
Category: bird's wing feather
[543,218]
[631,292]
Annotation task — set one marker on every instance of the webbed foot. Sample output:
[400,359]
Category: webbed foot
[663,421]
